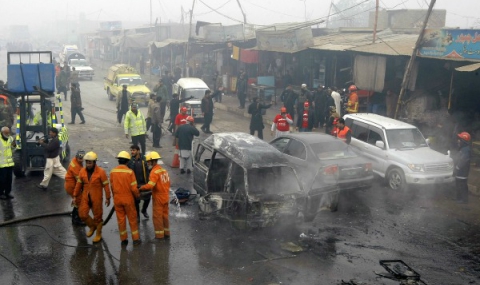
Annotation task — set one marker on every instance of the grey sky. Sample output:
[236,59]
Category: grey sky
[462,13]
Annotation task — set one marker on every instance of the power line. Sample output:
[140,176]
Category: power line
[219,7]
[268,9]
[215,10]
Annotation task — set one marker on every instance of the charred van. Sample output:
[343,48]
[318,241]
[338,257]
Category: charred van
[249,182]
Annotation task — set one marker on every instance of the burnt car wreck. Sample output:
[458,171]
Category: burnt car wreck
[248,182]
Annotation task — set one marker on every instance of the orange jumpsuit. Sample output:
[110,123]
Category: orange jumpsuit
[92,194]
[124,187]
[352,104]
[159,183]
[71,179]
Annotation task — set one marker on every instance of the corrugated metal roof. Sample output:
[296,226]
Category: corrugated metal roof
[387,43]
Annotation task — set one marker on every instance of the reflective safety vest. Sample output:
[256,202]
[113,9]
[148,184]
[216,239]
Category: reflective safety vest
[6,159]
[135,124]
[342,134]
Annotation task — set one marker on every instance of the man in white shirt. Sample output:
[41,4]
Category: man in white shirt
[337,99]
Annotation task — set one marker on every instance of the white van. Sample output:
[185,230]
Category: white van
[399,151]
[191,87]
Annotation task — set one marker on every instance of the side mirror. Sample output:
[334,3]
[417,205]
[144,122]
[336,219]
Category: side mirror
[380,144]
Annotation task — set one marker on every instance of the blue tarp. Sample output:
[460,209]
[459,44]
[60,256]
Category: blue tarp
[22,77]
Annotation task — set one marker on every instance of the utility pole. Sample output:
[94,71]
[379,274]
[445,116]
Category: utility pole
[187,46]
[150,13]
[329,12]
[243,13]
[408,71]
[376,22]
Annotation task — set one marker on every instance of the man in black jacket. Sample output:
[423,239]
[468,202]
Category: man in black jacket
[184,136]
[138,164]
[207,110]
[52,154]
[256,122]
[174,107]
[462,167]
[289,97]
[123,102]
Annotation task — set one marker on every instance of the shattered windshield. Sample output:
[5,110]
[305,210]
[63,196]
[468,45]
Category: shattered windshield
[272,180]
[79,63]
[196,93]
[329,150]
[131,81]
[405,138]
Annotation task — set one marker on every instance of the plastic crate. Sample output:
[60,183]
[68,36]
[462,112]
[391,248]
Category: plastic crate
[40,75]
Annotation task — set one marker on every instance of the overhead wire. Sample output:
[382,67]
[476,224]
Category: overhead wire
[211,11]
[268,9]
[221,14]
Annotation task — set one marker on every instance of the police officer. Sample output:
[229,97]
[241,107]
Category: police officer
[6,163]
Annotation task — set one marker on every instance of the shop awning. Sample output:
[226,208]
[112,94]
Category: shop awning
[168,42]
[468,68]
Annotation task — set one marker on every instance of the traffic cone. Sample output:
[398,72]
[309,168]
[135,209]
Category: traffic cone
[176,160]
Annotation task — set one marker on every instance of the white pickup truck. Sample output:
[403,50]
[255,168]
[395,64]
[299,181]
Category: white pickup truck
[85,71]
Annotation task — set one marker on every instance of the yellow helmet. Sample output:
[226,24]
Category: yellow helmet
[123,154]
[153,155]
[90,156]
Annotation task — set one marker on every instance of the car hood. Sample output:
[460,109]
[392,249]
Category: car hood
[422,155]
[194,101]
[83,68]
[138,88]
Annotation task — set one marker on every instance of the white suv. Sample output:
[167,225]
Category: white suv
[399,151]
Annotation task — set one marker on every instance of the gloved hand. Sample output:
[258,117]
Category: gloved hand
[107,202]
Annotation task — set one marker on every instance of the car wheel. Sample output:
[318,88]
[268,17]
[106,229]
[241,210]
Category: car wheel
[396,179]
[110,96]
[18,165]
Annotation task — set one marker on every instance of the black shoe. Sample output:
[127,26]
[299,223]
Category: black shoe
[188,171]
[41,187]
[9,196]
[125,242]
[71,123]
[167,237]
[137,242]
[208,132]
[83,122]
[182,171]
[3,197]
[145,214]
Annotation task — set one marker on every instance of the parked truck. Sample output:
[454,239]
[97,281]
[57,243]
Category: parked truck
[123,74]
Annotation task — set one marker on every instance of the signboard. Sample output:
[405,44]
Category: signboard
[452,44]
[285,41]
[220,34]
[110,25]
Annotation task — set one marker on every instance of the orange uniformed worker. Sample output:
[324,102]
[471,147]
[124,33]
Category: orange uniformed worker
[159,183]
[92,179]
[71,180]
[124,188]
[352,104]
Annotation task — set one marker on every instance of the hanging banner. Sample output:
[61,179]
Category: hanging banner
[452,44]
[219,34]
[288,41]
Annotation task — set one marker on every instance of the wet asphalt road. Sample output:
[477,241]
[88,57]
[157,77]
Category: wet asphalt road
[436,237]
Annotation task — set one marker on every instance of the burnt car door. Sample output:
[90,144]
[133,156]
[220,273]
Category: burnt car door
[217,173]
[203,157]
